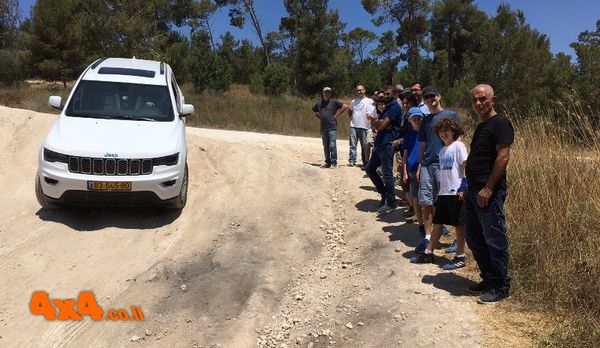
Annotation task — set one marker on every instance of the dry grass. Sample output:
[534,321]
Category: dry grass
[32,95]
[553,203]
[238,109]
[553,211]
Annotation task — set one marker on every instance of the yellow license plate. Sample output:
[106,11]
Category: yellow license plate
[108,186]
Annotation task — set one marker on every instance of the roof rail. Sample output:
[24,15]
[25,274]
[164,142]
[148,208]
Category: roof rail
[97,62]
[162,68]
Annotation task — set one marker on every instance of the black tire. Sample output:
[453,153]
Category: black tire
[41,198]
[181,199]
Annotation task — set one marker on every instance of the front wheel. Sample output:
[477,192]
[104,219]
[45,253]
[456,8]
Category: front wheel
[41,198]
[181,199]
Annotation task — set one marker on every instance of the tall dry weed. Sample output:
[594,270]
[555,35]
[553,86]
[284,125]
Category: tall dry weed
[553,212]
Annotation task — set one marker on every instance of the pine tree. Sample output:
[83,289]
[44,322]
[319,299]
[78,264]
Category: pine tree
[315,32]
[587,81]
[411,16]
[207,70]
[55,39]
[358,39]
[9,55]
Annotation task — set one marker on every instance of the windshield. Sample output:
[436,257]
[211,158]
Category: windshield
[115,100]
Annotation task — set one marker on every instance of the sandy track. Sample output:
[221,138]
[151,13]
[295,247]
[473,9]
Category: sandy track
[272,251]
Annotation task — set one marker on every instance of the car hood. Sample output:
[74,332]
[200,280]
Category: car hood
[92,137]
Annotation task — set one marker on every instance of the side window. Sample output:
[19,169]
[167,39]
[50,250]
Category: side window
[176,94]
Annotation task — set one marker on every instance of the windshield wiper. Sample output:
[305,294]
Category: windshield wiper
[89,115]
[129,117]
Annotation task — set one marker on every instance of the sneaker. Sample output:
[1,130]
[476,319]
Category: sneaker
[326,165]
[492,296]
[386,208]
[351,164]
[420,249]
[445,231]
[333,165]
[451,249]
[457,262]
[422,258]
[480,287]
[410,220]
[422,230]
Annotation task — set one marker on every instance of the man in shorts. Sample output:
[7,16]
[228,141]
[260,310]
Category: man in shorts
[449,208]
[428,172]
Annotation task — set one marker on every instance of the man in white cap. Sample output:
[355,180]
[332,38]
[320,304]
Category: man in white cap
[328,110]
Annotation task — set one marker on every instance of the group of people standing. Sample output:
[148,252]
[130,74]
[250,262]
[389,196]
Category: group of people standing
[442,184]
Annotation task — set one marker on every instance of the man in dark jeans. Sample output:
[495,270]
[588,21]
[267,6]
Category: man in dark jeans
[387,125]
[484,205]
[328,110]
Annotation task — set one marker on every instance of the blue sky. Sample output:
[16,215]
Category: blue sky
[562,21]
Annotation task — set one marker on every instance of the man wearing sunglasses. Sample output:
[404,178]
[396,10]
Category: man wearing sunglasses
[415,89]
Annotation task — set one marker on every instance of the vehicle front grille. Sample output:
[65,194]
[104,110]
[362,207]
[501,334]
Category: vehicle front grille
[110,166]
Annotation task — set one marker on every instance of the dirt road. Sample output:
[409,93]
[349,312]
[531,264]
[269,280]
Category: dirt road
[271,251]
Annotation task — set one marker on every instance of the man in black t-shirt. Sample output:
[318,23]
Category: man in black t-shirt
[328,110]
[484,203]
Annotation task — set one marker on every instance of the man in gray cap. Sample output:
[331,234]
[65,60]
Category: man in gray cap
[328,110]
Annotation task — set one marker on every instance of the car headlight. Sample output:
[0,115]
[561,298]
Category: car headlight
[51,156]
[170,160]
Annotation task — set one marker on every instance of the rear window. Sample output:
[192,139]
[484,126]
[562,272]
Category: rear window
[116,100]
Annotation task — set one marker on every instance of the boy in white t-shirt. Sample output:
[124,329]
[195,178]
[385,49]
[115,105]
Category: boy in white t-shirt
[449,204]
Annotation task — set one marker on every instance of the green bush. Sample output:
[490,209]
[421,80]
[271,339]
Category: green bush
[11,69]
[275,78]
[256,83]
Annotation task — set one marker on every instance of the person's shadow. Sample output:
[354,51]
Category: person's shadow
[368,188]
[367,205]
[313,164]
[100,218]
[453,283]
[406,233]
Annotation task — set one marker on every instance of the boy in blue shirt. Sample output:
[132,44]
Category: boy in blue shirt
[411,161]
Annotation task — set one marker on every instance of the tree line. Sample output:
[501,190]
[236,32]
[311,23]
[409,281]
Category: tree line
[451,44]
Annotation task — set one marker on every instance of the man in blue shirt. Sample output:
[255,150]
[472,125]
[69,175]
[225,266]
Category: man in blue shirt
[428,171]
[388,126]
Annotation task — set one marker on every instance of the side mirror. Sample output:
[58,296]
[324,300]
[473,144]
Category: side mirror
[55,102]
[186,110]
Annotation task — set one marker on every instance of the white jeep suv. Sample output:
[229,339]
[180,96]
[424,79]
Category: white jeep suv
[119,139]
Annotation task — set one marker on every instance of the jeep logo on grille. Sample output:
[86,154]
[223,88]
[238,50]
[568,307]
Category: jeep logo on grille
[112,155]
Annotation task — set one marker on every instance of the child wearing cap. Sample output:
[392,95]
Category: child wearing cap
[449,208]
[411,161]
